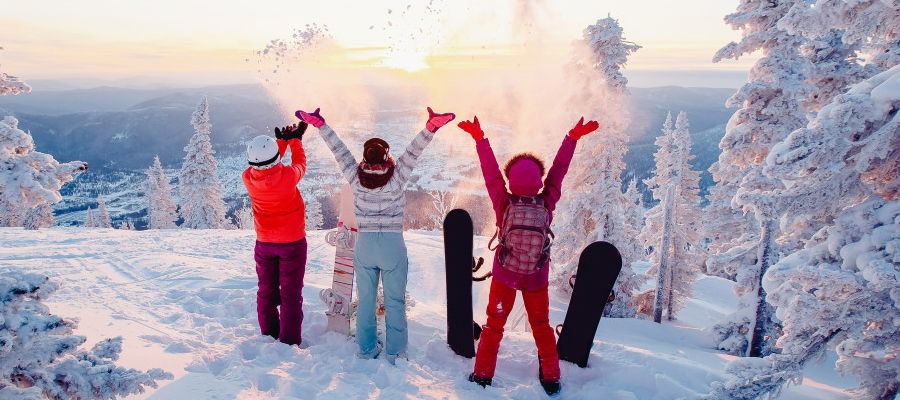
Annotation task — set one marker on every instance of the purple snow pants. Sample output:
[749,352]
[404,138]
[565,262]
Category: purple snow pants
[280,267]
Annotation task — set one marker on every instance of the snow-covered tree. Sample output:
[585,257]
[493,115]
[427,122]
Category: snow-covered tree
[102,220]
[443,202]
[161,209]
[841,291]
[671,228]
[202,202]
[29,180]
[39,355]
[314,217]
[628,283]
[869,27]
[89,220]
[243,217]
[126,225]
[12,85]
[770,108]
[593,206]
[731,233]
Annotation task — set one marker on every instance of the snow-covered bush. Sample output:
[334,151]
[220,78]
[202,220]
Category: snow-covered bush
[39,356]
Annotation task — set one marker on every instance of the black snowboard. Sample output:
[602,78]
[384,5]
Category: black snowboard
[598,268]
[458,243]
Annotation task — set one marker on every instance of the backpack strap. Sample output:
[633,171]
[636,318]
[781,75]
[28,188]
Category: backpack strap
[497,232]
[509,200]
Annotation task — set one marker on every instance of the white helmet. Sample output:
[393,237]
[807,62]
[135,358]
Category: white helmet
[262,152]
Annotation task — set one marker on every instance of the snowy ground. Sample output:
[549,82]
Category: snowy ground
[184,301]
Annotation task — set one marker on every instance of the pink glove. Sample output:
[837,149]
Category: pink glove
[313,119]
[580,130]
[474,128]
[436,121]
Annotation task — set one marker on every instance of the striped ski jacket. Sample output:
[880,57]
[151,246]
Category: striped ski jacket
[380,209]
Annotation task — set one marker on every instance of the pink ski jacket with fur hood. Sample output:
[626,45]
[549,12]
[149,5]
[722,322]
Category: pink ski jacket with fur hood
[525,180]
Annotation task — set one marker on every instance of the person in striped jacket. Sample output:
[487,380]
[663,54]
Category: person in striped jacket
[379,200]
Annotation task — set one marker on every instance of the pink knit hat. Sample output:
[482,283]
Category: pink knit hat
[525,173]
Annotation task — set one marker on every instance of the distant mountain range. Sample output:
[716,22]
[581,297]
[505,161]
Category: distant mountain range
[118,131]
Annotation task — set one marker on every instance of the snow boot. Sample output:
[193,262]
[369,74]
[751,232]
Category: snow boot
[484,382]
[551,387]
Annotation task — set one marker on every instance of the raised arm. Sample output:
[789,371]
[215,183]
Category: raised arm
[553,182]
[346,162]
[407,161]
[493,178]
[292,136]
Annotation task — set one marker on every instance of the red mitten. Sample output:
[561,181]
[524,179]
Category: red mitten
[580,129]
[473,128]
[436,121]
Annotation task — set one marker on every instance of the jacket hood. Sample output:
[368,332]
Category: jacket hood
[266,178]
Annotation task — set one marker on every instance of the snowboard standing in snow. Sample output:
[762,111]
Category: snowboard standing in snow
[462,331]
[598,268]
[340,296]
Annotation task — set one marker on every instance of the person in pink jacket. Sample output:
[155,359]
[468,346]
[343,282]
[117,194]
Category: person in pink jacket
[525,175]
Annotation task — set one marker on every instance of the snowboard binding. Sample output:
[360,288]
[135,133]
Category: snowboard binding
[334,302]
[342,236]
[476,265]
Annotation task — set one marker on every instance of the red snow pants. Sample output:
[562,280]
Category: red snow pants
[500,304]
[279,301]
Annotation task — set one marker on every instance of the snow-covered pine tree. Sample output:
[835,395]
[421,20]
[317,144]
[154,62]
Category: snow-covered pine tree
[89,221]
[593,206]
[161,209]
[443,201]
[841,290]
[202,202]
[864,27]
[771,108]
[673,175]
[628,283]
[126,225]
[30,180]
[12,85]
[844,287]
[839,34]
[730,233]
[244,217]
[314,217]
[102,220]
[39,356]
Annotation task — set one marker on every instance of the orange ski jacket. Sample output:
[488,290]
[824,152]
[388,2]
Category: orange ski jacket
[278,210]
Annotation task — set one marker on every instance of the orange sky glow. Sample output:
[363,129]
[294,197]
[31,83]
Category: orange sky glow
[93,38]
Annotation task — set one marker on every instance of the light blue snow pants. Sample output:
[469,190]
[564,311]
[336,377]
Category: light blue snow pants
[384,254]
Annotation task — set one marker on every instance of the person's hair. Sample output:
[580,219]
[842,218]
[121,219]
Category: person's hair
[523,156]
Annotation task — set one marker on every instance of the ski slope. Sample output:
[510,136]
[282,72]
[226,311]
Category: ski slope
[185,301]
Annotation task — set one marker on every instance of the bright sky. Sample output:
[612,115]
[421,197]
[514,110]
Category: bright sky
[213,40]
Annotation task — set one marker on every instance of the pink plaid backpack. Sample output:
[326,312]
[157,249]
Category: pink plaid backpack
[524,235]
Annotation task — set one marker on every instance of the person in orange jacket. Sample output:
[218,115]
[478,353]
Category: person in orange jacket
[279,220]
